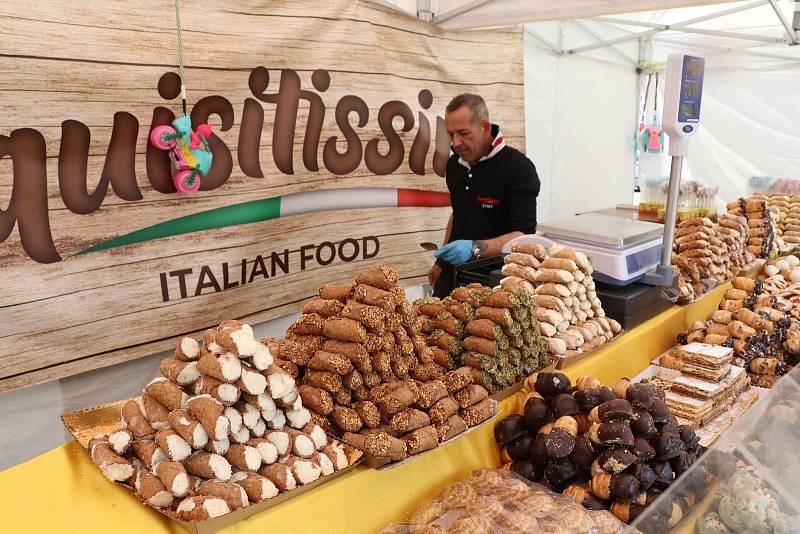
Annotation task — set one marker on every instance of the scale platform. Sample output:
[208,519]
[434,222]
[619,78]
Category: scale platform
[621,250]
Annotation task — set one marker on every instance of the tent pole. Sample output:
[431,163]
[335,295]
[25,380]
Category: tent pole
[466,8]
[786,24]
[687,29]
[596,37]
[648,33]
[542,39]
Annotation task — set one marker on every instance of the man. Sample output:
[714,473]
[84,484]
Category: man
[493,190]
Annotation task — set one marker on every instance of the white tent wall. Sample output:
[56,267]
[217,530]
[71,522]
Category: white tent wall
[579,121]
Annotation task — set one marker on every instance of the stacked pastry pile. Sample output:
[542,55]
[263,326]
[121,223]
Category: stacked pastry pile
[706,385]
[409,417]
[500,343]
[367,374]
[499,501]
[222,428]
[748,321]
[778,204]
[569,314]
[625,442]
[790,211]
[761,223]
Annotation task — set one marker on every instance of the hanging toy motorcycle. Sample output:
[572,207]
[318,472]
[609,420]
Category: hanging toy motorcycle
[188,149]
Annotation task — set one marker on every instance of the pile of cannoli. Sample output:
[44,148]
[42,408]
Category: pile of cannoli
[761,221]
[569,313]
[787,209]
[363,365]
[754,323]
[223,427]
[489,330]
[411,417]
[607,448]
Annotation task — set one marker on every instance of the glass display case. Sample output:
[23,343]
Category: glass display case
[748,481]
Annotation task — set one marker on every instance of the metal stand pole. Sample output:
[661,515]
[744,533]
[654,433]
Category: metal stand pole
[664,274]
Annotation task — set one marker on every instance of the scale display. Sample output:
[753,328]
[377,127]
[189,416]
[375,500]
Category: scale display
[691,89]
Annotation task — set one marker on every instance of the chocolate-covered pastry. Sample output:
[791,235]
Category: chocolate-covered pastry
[583,453]
[688,436]
[643,450]
[510,428]
[643,424]
[563,404]
[535,413]
[643,395]
[644,474]
[616,460]
[588,399]
[559,443]
[612,433]
[670,425]
[580,494]
[551,384]
[660,411]
[606,394]
[527,469]
[664,474]
[539,449]
[621,488]
[560,471]
[617,409]
[520,448]
[681,463]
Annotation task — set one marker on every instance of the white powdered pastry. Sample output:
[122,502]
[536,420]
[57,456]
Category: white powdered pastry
[267,407]
[268,489]
[253,382]
[319,437]
[341,457]
[291,483]
[262,357]
[117,472]
[280,384]
[220,466]
[238,476]
[298,418]
[220,446]
[306,471]
[228,393]
[230,366]
[268,452]
[216,349]
[303,446]
[186,505]
[190,348]
[246,345]
[162,499]
[260,429]
[281,441]
[188,374]
[250,415]
[235,419]
[252,458]
[180,485]
[215,507]
[158,456]
[221,428]
[179,450]
[243,436]
[199,437]
[325,464]
[278,420]
[264,402]
[120,441]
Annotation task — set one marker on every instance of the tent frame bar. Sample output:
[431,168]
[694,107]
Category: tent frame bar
[786,24]
[546,42]
[634,36]
[689,29]
[583,26]
[466,8]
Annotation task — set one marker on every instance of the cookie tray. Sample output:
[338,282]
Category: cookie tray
[87,423]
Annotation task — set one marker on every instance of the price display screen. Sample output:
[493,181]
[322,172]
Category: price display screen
[691,89]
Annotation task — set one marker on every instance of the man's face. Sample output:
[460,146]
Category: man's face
[470,139]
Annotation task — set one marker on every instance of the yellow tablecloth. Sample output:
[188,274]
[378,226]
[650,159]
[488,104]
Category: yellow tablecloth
[62,491]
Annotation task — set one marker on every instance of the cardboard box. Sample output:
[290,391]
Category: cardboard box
[87,423]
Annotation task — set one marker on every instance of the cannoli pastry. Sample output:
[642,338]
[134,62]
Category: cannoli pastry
[113,466]
[208,465]
[258,488]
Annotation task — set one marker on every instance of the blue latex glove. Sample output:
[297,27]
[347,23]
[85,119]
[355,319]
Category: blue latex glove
[456,253]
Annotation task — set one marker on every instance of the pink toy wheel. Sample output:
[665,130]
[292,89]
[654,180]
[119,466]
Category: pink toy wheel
[181,181]
[157,137]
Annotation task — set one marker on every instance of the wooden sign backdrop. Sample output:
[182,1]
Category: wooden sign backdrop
[74,73]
